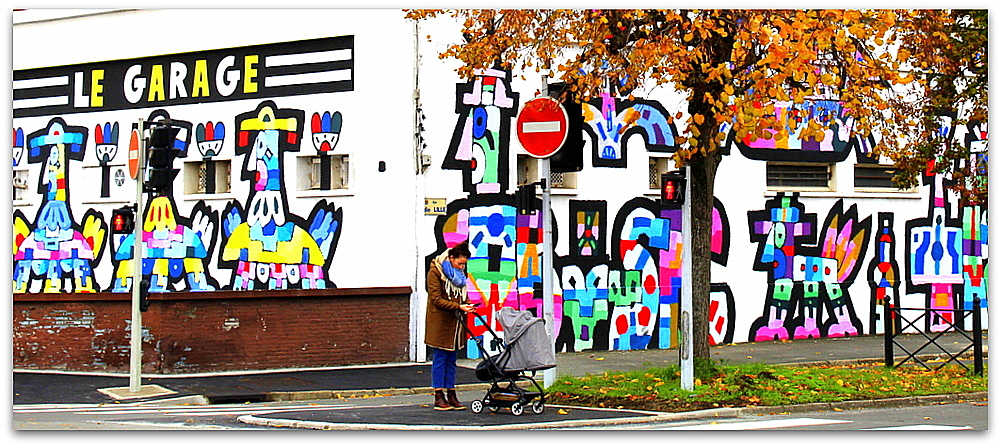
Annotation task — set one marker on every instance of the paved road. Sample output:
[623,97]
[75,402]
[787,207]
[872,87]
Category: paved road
[959,416]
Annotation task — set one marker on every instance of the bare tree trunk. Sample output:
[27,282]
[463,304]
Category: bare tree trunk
[703,177]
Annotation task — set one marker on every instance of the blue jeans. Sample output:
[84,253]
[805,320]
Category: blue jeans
[443,368]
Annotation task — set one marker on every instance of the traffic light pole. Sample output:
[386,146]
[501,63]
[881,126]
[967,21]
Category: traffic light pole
[685,324]
[135,352]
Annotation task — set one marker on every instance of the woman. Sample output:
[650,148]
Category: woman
[444,333]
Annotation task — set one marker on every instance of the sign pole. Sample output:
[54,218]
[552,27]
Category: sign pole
[685,322]
[135,352]
[548,307]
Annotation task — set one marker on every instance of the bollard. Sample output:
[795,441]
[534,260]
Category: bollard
[887,333]
[978,353]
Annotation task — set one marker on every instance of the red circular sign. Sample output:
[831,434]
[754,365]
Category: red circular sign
[134,155]
[542,126]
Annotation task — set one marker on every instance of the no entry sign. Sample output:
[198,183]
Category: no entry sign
[542,126]
[134,154]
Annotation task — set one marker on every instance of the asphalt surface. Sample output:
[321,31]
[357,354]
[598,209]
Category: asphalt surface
[412,380]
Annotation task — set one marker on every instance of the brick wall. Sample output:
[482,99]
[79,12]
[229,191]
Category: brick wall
[213,331]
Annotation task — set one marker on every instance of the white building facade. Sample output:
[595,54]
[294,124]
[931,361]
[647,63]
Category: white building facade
[333,148]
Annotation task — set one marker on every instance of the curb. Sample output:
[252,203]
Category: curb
[655,417]
[288,396]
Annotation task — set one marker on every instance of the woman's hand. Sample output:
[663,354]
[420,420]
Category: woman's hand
[467,307]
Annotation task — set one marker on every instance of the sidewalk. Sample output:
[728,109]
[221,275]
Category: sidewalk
[413,380]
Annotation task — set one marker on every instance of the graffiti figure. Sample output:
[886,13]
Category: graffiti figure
[479,146]
[610,122]
[801,277]
[57,247]
[267,246]
[793,146]
[174,248]
[884,277]
[106,147]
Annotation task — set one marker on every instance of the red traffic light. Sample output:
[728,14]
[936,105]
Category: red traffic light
[123,221]
[672,187]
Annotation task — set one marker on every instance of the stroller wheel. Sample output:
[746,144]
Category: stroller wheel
[517,408]
[538,407]
[493,409]
[476,406]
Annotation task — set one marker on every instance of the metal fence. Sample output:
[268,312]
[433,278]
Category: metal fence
[894,316]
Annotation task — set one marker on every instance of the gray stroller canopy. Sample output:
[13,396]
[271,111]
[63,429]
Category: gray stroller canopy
[527,343]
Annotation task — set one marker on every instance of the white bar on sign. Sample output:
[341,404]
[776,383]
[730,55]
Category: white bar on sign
[308,78]
[41,102]
[541,126]
[307,58]
[41,82]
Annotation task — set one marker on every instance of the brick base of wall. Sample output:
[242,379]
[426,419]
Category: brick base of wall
[185,332]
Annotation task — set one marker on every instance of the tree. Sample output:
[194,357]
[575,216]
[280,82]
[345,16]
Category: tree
[948,53]
[733,64]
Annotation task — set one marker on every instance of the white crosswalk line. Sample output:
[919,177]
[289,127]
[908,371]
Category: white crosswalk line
[760,425]
[923,427]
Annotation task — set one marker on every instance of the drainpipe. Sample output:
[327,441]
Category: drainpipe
[418,351]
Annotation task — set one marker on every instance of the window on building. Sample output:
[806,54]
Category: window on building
[20,184]
[324,172]
[809,176]
[658,166]
[206,177]
[528,172]
[874,176]
[563,180]
[528,169]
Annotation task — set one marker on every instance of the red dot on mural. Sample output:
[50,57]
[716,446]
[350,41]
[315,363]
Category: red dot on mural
[815,268]
[827,270]
[621,324]
[650,285]
[802,268]
[644,316]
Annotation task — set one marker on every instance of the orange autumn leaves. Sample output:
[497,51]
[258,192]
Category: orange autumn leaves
[729,62]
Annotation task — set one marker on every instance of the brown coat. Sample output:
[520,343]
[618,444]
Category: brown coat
[443,330]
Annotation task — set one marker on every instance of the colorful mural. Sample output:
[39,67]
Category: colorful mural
[174,248]
[806,278]
[831,115]
[55,246]
[628,301]
[105,149]
[611,121]
[266,245]
[479,146]
[884,276]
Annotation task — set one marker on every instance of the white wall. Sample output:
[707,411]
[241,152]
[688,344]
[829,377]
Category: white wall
[386,235]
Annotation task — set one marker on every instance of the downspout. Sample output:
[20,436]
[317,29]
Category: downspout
[418,353]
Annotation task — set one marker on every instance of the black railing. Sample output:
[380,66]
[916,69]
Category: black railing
[953,324]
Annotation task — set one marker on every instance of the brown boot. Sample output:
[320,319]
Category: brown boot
[454,401]
[440,403]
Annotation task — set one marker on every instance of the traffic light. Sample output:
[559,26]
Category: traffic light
[160,172]
[524,199]
[672,187]
[570,156]
[123,220]
[143,295]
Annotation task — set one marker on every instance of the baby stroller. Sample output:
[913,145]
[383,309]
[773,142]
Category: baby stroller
[525,347]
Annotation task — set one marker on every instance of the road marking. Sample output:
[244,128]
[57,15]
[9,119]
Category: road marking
[170,409]
[760,425]
[923,427]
